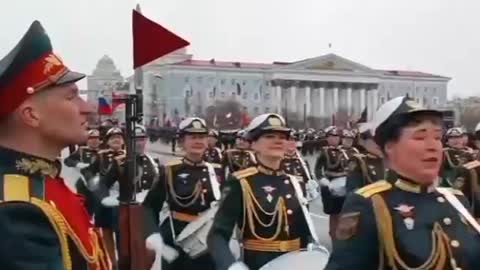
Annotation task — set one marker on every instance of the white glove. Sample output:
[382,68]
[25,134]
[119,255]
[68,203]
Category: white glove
[324,182]
[140,197]
[81,165]
[110,201]
[155,243]
[238,266]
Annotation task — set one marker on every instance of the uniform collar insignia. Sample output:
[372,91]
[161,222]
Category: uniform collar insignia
[192,163]
[23,163]
[266,170]
[183,175]
[409,186]
[269,190]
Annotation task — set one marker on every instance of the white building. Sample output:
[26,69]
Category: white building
[104,79]
[317,87]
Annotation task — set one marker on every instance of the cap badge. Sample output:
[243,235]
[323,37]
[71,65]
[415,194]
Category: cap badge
[196,124]
[413,105]
[50,61]
[274,121]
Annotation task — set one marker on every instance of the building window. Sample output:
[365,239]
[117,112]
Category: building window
[255,110]
[435,101]
[417,90]
[267,96]
[222,94]
[233,81]
[187,79]
[245,95]
[222,81]
[199,79]
[244,83]
[267,109]
[234,94]
[210,94]
[434,91]
[255,96]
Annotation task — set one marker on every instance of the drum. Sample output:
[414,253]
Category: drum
[338,186]
[314,259]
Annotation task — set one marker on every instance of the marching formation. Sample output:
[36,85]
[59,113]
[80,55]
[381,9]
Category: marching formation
[400,192]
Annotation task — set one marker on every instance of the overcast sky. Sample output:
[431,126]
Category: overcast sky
[435,36]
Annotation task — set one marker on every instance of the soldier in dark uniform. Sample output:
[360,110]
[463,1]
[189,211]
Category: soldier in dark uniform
[189,187]
[43,225]
[263,202]
[348,139]
[294,164]
[409,223]
[240,157]
[455,156]
[82,158]
[214,156]
[330,168]
[367,167]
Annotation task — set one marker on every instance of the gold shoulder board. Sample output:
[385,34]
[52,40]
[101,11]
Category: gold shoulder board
[245,172]
[173,162]
[472,164]
[374,188]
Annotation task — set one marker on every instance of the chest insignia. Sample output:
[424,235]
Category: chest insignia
[269,190]
[406,212]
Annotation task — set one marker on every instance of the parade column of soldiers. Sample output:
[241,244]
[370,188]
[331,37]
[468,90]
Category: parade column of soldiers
[43,225]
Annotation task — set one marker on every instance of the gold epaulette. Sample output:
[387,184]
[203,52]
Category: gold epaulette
[471,165]
[245,172]
[173,162]
[374,188]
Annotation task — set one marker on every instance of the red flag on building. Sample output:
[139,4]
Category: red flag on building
[151,40]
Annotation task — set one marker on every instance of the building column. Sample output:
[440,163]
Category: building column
[375,99]
[293,100]
[321,101]
[362,99]
[349,100]
[278,95]
[307,100]
[335,99]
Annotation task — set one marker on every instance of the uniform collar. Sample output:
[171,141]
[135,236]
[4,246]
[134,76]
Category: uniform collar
[293,155]
[26,164]
[408,185]
[193,163]
[267,170]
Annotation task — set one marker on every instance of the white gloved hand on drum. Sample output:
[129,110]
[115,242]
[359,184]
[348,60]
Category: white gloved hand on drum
[155,243]
[110,201]
[82,165]
[140,197]
[238,266]
[338,186]
[324,182]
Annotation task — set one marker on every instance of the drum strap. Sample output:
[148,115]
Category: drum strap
[213,181]
[304,166]
[459,207]
[303,204]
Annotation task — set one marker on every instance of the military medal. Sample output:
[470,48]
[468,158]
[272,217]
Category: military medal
[269,190]
[406,212]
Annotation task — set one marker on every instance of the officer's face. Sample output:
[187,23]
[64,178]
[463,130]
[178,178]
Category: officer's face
[418,152]
[455,142]
[115,142]
[347,142]
[242,144]
[195,144]
[271,145]
[59,114]
[140,145]
[333,140]
[93,142]
[212,141]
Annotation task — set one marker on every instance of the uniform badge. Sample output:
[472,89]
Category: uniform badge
[275,122]
[406,212]
[347,225]
[269,190]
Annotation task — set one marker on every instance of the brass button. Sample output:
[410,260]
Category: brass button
[440,199]
[204,179]
[144,181]
[447,221]
[454,243]
[289,211]
[205,191]
[286,182]
[144,172]
[288,196]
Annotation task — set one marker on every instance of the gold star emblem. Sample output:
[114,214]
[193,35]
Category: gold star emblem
[274,121]
[196,124]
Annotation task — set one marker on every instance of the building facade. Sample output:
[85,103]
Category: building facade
[317,88]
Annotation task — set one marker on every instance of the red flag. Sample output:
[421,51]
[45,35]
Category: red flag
[103,107]
[117,100]
[151,40]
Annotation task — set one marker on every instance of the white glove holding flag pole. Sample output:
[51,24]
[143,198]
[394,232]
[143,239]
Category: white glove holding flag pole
[324,182]
[82,165]
[155,243]
[238,266]
[110,201]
